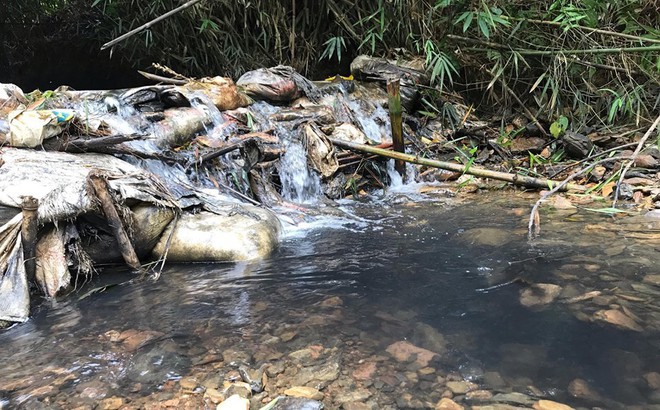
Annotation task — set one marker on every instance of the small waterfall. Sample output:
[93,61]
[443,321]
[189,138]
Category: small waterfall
[299,183]
[376,125]
[396,181]
[203,103]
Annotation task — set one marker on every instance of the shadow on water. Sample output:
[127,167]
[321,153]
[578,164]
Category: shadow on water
[416,266]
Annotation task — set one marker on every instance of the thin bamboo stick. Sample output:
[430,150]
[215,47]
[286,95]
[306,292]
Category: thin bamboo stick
[527,52]
[515,179]
[149,24]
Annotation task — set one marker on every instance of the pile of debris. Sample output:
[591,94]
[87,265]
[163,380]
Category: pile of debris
[186,171]
[199,170]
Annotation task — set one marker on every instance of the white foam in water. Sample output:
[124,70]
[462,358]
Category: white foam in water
[302,229]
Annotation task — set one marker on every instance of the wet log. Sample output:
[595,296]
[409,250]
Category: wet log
[100,187]
[515,179]
[29,235]
[394,102]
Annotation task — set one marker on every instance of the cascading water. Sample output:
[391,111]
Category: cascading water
[299,183]
[375,125]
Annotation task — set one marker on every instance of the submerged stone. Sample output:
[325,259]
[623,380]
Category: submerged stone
[404,351]
[617,318]
[295,403]
[539,294]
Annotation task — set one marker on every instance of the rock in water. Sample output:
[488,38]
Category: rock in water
[448,404]
[550,405]
[234,402]
[539,294]
[304,392]
[294,403]
[618,318]
[402,351]
[244,232]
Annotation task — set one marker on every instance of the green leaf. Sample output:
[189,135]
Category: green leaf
[467,18]
[483,26]
[555,129]
[608,211]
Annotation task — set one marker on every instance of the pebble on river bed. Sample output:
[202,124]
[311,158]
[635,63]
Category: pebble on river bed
[234,402]
[404,351]
[539,294]
[447,404]
[550,405]
[618,318]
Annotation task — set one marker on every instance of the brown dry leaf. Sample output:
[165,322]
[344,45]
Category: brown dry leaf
[638,196]
[545,153]
[607,189]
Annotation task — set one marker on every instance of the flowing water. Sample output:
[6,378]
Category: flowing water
[442,275]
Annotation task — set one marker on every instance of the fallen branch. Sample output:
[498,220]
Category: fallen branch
[633,157]
[161,79]
[100,187]
[521,180]
[534,225]
[600,154]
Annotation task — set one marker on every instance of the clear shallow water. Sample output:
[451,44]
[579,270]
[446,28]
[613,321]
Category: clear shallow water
[415,266]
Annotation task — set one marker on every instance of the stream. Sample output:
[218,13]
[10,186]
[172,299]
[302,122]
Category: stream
[324,310]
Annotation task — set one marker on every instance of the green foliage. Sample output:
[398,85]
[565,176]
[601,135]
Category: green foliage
[439,63]
[333,46]
[490,48]
[558,127]
[487,17]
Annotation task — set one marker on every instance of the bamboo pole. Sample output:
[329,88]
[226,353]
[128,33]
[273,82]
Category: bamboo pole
[394,103]
[100,187]
[29,228]
[527,52]
[593,30]
[515,179]
[149,24]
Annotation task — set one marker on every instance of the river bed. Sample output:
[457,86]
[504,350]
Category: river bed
[350,306]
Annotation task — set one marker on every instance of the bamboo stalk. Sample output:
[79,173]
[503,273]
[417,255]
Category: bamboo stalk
[554,52]
[149,24]
[29,228]
[515,179]
[593,30]
[100,187]
[394,103]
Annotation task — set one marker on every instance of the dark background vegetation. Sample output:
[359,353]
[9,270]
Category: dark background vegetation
[548,54]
